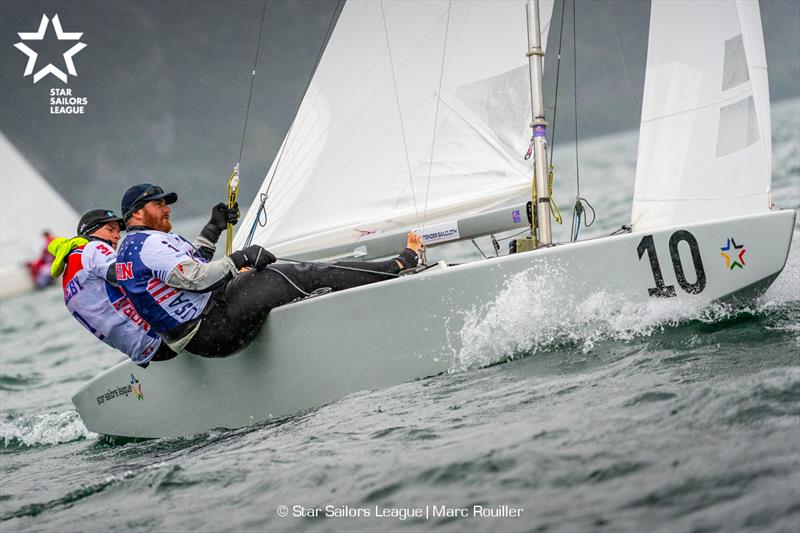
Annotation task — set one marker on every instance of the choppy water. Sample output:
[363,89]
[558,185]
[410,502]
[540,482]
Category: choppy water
[606,419]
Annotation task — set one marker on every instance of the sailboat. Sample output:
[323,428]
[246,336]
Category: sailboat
[30,206]
[417,116]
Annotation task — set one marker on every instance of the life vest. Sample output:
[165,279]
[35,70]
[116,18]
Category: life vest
[144,262]
[101,307]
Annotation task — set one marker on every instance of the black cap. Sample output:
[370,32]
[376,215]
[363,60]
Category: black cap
[93,220]
[138,195]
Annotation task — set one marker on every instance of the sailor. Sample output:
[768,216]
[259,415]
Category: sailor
[215,308]
[39,269]
[91,294]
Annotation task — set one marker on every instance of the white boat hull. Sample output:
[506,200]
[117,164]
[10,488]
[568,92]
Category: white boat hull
[316,351]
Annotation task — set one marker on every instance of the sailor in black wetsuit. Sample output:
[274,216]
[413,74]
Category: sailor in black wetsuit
[214,308]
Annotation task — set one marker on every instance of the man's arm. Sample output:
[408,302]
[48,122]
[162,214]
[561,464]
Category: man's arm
[100,259]
[205,246]
[201,277]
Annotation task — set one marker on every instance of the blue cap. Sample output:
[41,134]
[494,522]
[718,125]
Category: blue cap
[138,195]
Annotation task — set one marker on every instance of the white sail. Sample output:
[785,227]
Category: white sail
[350,165]
[29,207]
[705,148]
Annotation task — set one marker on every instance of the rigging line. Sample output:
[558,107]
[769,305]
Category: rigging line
[558,72]
[399,112]
[265,194]
[253,78]
[464,19]
[299,142]
[436,114]
[308,84]
[578,209]
[340,267]
[289,281]
[517,234]
[575,94]
[629,84]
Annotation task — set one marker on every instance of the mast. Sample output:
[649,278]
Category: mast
[541,196]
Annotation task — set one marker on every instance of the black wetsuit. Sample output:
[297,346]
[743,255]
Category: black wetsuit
[236,311]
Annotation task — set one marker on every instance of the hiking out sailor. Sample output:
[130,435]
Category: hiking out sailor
[215,308]
[91,294]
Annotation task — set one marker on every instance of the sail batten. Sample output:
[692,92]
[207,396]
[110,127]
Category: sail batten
[344,164]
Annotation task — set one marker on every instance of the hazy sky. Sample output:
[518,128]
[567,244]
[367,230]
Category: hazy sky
[167,85]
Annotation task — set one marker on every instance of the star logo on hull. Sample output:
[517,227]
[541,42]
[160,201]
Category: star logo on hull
[61,35]
[733,254]
[136,388]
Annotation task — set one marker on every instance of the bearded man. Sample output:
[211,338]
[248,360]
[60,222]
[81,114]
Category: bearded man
[215,308]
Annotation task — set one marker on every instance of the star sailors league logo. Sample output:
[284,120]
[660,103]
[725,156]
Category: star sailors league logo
[62,101]
[733,254]
[38,35]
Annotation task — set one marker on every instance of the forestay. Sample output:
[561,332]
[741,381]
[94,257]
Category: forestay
[705,141]
[350,166]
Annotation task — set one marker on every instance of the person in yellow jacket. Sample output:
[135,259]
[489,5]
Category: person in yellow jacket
[87,265]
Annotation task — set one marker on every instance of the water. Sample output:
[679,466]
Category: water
[605,419]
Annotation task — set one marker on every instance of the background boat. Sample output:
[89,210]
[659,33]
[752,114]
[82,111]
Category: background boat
[30,206]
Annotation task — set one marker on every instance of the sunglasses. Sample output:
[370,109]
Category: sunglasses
[142,199]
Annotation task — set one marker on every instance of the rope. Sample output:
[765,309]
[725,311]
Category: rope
[292,283]
[578,210]
[399,112]
[555,101]
[341,267]
[575,96]
[479,249]
[436,115]
[577,214]
[329,265]
[253,78]
[628,84]
[264,195]
[308,84]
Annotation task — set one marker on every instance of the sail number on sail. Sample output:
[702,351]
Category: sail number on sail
[661,290]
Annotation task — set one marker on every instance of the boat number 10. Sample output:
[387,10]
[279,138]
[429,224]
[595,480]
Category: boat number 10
[661,290]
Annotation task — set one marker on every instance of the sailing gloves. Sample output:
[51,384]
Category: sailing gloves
[253,256]
[221,216]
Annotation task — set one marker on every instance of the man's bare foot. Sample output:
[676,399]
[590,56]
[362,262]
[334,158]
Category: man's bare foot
[414,241]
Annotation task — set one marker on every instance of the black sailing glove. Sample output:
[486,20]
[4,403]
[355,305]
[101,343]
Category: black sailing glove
[220,217]
[253,256]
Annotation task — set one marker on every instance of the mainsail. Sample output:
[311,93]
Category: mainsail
[369,151]
[705,147]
